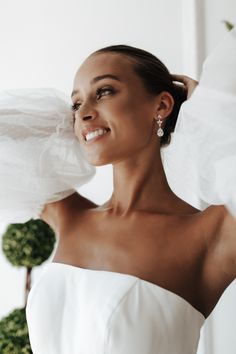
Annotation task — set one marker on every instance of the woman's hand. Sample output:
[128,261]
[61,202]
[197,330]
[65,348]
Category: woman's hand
[189,84]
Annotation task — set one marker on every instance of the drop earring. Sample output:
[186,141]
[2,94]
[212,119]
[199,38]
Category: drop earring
[160,131]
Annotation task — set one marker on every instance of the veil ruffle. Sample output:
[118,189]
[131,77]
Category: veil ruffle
[41,160]
[200,162]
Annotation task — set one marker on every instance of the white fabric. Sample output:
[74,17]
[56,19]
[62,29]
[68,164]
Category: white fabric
[200,162]
[73,310]
[41,160]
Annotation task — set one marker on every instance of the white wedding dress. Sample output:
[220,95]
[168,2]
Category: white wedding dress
[73,310]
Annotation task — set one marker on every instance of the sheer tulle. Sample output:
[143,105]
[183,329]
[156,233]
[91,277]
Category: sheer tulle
[200,162]
[41,160]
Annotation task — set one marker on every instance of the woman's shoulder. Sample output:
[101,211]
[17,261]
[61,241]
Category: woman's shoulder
[63,213]
[211,220]
[208,222]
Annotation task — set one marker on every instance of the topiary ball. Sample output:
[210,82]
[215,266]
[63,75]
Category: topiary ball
[14,336]
[28,244]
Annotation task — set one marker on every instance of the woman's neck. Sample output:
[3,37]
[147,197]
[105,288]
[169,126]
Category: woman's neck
[140,184]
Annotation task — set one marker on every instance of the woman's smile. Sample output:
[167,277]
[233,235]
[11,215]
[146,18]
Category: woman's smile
[96,136]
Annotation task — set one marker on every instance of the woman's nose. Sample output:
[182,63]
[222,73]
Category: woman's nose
[87,113]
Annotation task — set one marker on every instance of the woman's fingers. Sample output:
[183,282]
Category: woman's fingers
[187,81]
[184,79]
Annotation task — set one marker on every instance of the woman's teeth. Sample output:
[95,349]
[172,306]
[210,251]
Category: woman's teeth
[95,133]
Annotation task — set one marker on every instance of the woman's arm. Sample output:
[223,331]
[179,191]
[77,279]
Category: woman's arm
[225,250]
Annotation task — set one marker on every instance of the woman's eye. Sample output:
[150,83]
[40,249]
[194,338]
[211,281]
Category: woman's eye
[75,107]
[99,92]
[103,90]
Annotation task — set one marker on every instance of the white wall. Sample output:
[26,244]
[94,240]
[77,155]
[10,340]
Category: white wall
[42,44]
[215,12]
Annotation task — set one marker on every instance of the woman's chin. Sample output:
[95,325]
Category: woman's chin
[97,161]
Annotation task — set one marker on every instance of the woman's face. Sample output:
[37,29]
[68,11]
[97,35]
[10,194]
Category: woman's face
[119,103]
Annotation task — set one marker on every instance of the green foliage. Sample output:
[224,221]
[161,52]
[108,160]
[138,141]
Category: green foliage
[28,244]
[228,25]
[14,337]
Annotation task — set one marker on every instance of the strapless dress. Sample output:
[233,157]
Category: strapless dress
[73,310]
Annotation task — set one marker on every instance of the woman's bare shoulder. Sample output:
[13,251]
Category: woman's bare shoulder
[61,213]
[212,219]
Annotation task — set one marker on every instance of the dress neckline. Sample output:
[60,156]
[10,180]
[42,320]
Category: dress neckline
[69,266]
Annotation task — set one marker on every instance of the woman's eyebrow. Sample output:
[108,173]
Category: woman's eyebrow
[97,78]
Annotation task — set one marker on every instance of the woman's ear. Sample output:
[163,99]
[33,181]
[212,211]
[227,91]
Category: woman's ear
[165,104]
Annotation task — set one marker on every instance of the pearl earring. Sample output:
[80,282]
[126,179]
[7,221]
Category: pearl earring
[160,131]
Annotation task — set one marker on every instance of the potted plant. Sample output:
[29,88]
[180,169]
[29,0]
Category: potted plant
[24,245]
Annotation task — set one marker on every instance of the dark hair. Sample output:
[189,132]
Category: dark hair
[155,77]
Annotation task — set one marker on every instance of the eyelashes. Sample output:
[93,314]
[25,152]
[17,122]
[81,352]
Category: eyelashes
[75,107]
[99,92]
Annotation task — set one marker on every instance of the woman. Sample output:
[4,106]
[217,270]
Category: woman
[140,273]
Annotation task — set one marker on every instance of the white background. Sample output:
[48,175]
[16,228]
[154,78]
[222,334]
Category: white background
[42,44]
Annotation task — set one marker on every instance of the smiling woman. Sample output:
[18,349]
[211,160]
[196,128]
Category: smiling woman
[141,272]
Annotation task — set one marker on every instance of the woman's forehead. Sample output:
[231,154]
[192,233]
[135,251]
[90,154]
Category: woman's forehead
[103,64]
[97,64]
